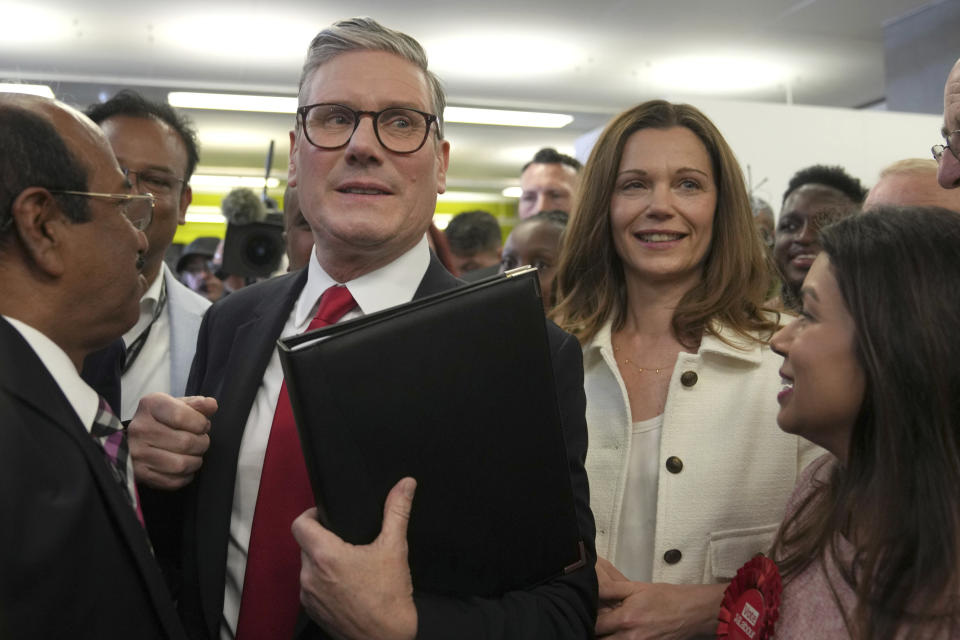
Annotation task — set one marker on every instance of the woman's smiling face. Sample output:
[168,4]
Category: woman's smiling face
[824,383]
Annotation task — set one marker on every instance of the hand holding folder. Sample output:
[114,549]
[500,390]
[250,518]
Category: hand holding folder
[455,390]
[376,599]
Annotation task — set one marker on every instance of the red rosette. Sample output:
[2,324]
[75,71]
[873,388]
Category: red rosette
[751,603]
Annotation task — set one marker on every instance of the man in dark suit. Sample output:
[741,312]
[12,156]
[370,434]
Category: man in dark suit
[74,557]
[368,159]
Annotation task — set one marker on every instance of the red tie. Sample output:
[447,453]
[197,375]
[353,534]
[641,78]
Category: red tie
[271,585]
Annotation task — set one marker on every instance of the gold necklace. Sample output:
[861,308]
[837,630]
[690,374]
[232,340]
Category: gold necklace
[633,364]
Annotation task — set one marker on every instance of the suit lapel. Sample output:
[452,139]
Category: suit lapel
[436,279]
[33,384]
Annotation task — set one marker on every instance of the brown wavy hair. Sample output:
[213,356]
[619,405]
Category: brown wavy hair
[590,281]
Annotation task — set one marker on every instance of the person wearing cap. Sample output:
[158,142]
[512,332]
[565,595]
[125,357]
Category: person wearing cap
[195,268]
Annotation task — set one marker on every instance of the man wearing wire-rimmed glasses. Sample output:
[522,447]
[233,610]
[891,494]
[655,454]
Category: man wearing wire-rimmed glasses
[948,153]
[157,148]
[74,558]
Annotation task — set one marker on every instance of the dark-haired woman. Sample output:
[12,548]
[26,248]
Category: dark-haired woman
[662,278]
[869,549]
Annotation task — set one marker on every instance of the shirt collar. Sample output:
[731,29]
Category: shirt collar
[82,398]
[740,348]
[386,287]
[152,294]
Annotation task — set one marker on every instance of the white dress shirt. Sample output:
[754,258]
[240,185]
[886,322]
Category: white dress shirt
[151,370]
[394,284]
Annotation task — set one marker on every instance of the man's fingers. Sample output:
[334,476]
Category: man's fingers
[174,413]
[615,589]
[607,570]
[312,536]
[202,404]
[396,511]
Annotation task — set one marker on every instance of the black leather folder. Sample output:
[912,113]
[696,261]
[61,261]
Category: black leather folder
[456,390]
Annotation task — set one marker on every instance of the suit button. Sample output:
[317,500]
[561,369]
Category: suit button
[689,378]
[672,556]
[674,464]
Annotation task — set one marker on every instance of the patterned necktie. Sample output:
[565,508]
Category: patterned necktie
[271,584]
[112,438]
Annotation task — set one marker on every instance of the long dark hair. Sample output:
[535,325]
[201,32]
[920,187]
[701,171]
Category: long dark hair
[590,283]
[897,496]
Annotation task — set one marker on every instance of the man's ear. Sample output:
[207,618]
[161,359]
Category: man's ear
[41,228]
[186,197]
[443,162]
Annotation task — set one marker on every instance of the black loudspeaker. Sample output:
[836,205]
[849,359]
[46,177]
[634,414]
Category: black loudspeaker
[254,249]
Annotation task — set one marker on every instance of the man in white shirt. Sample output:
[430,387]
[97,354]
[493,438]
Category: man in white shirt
[158,150]
[74,558]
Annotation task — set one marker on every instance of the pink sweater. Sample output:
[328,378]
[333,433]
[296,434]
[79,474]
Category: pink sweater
[808,608]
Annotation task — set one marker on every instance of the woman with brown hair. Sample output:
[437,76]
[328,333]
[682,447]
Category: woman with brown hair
[662,278]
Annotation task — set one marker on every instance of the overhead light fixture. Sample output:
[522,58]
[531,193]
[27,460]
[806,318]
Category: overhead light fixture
[32,89]
[232,102]
[512,192]
[717,74]
[506,118]
[202,182]
[205,214]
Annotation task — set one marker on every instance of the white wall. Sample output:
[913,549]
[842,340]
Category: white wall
[774,141]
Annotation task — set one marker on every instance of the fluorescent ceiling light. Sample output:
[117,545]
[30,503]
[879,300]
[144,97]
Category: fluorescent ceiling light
[517,55]
[32,89]
[205,216]
[507,118]
[257,37]
[457,195]
[35,27]
[226,183]
[717,74]
[512,192]
[232,102]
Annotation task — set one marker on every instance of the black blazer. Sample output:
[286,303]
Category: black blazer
[236,341]
[75,562]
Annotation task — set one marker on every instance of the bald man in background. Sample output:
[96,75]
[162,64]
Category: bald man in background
[948,154]
[911,182]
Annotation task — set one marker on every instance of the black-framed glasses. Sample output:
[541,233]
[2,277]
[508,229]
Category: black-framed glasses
[138,209]
[153,181]
[953,144]
[330,126]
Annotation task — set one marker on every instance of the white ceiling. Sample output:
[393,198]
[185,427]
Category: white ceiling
[587,58]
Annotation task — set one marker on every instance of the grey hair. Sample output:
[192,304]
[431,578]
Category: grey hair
[366,34]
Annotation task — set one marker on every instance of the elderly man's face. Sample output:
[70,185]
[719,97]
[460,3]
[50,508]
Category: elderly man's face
[363,201]
[105,253]
[546,187]
[949,174]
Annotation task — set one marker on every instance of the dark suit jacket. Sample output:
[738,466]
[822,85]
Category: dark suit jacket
[236,341]
[74,560]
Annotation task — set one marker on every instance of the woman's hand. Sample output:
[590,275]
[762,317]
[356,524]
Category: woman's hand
[640,610]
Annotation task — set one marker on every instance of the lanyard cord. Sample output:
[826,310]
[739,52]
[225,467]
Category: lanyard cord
[134,349]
